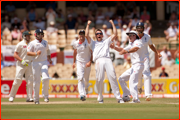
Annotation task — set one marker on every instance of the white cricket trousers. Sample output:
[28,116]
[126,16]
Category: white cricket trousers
[102,65]
[83,77]
[40,68]
[20,71]
[133,74]
[147,78]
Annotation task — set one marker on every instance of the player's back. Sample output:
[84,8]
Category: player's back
[21,49]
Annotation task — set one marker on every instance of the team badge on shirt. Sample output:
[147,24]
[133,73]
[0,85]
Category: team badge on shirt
[24,46]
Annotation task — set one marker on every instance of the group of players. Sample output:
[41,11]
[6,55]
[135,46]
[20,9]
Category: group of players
[32,60]
[86,49]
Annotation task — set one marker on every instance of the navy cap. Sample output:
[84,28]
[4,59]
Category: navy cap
[39,31]
[81,31]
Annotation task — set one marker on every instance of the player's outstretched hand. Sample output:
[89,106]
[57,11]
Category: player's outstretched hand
[112,46]
[89,22]
[38,52]
[74,65]
[88,64]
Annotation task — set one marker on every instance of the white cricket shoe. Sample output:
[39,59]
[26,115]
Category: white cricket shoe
[37,102]
[126,98]
[30,100]
[46,100]
[101,101]
[120,101]
[148,98]
[135,101]
[11,99]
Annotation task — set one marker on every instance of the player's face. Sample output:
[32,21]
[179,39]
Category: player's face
[99,35]
[132,37]
[82,36]
[140,29]
[39,36]
[28,38]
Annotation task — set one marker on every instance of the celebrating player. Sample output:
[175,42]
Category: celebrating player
[135,72]
[146,41]
[103,62]
[40,50]
[23,66]
[82,53]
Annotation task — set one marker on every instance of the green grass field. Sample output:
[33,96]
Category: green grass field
[73,108]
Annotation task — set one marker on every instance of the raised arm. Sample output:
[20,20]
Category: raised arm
[116,48]
[113,36]
[87,32]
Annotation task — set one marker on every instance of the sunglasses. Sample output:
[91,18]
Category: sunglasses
[131,35]
[139,27]
[98,33]
[40,33]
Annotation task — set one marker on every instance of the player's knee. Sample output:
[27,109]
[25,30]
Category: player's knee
[80,78]
[17,82]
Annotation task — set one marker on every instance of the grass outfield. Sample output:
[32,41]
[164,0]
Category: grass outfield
[73,108]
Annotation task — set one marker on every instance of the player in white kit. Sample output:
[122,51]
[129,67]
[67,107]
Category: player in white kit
[103,62]
[146,41]
[82,53]
[23,66]
[135,72]
[40,50]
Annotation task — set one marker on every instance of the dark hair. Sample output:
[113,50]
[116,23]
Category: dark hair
[56,75]
[74,74]
[99,30]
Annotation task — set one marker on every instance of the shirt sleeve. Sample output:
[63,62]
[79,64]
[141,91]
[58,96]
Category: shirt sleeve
[127,47]
[138,44]
[17,49]
[149,41]
[91,44]
[108,40]
[30,47]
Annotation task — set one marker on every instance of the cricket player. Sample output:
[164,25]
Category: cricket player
[135,72]
[23,66]
[40,50]
[146,41]
[101,57]
[82,53]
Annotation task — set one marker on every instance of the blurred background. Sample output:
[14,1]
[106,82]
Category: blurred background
[61,21]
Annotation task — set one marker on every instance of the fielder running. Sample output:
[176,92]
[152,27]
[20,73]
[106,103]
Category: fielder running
[40,50]
[23,66]
[82,53]
[103,62]
[146,41]
[135,72]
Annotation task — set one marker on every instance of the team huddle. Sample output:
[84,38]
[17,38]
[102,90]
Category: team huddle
[32,60]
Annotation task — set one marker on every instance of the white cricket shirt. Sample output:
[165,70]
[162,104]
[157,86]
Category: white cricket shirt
[35,46]
[21,49]
[138,56]
[100,49]
[146,41]
[83,51]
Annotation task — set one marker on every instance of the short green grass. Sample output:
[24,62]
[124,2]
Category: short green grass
[158,108]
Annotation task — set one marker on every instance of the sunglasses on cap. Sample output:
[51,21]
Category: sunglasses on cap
[98,33]
[131,35]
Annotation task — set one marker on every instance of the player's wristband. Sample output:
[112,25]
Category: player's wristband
[36,53]
[128,51]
